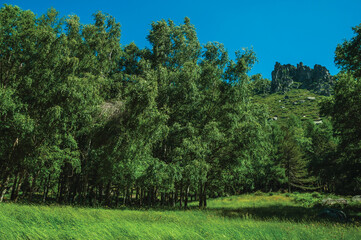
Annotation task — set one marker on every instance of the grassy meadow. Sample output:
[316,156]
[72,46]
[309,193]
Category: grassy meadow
[263,216]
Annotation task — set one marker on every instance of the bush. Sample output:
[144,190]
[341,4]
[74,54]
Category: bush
[316,195]
[258,193]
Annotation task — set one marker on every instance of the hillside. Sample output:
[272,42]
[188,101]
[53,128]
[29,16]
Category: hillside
[299,102]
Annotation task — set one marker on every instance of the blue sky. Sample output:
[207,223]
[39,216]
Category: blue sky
[286,31]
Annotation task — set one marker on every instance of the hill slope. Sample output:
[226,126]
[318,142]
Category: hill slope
[299,102]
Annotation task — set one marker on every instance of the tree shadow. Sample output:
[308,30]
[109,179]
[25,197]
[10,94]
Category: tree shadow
[279,213]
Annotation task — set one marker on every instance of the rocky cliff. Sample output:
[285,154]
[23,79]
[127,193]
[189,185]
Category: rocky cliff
[286,77]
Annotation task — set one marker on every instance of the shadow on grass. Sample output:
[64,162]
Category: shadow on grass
[261,213]
[281,213]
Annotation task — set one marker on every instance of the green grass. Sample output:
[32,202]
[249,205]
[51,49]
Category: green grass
[237,217]
[283,108]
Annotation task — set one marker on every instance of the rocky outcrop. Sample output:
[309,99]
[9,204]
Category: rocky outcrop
[330,201]
[286,77]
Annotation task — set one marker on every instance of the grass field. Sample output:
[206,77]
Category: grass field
[238,217]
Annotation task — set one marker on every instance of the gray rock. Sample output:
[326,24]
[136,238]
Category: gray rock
[356,198]
[330,201]
[311,98]
[286,77]
[317,122]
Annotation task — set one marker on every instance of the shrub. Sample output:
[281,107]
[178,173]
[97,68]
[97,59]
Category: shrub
[316,195]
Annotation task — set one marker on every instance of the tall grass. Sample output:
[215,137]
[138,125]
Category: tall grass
[243,217]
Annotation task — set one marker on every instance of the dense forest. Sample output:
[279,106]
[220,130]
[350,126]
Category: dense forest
[85,120]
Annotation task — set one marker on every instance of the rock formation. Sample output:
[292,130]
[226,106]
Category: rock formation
[286,77]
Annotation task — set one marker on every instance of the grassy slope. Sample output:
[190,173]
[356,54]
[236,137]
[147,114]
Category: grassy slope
[308,108]
[243,217]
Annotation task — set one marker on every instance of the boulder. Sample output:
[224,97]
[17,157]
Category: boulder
[317,122]
[330,201]
[356,198]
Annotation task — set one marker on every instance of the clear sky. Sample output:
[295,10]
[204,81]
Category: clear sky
[286,31]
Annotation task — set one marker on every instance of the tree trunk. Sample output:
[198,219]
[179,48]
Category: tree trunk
[20,182]
[117,197]
[162,196]
[181,194]
[125,196]
[137,194]
[130,195]
[4,188]
[12,197]
[108,199]
[200,195]
[33,184]
[141,196]
[205,195]
[186,198]
[46,188]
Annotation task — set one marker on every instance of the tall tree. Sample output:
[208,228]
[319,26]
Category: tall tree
[348,54]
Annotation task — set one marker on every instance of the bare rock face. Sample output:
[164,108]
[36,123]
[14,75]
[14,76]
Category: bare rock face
[286,77]
[282,78]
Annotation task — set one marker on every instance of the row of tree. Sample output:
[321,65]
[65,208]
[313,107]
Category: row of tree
[84,120]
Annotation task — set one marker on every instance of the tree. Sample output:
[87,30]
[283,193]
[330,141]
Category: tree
[260,85]
[344,109]
[293,161]
[348,54]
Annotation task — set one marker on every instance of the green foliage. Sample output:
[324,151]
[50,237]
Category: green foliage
[86,121]
[344,107]
[347,54]
[260,85]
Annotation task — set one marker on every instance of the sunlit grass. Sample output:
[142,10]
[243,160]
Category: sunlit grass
[295,103]
[236,217]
